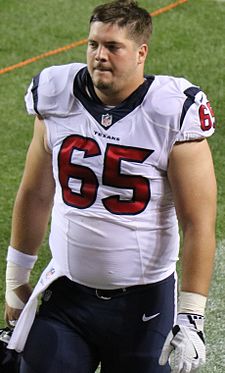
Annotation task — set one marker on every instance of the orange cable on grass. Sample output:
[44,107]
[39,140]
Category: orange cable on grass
[78,43]
[168,7]
[43,55]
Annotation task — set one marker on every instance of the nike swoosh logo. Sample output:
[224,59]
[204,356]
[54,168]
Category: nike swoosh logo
[147,318]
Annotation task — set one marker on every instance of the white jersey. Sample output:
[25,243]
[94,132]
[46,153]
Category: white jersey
[114,222]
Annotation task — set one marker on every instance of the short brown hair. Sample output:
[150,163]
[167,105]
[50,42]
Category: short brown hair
[125,13]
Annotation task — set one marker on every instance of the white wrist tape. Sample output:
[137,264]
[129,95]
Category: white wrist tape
[22,259]
[18,270]
[191,303]
[15,277]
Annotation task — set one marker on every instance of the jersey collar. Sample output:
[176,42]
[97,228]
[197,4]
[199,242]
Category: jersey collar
[83,90]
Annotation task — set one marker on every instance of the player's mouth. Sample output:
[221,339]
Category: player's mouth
[102,68]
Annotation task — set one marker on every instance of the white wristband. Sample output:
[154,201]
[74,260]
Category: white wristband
[22,259]
[191,303]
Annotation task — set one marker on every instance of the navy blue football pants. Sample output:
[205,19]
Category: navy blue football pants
[76,328]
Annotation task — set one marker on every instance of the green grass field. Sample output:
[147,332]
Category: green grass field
[187,41]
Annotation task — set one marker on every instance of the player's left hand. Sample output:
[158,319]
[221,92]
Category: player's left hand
[184,347]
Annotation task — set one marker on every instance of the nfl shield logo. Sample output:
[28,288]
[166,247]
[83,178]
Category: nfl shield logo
[106,120]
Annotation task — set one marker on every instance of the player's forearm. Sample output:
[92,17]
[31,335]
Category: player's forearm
[30,219]
[198,258]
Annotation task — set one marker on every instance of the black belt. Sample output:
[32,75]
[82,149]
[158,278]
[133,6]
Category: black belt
[106,294]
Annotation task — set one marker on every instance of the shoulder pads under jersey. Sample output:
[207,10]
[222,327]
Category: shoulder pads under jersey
[51,91]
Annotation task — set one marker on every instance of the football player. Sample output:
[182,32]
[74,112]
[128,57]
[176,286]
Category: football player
[118,159]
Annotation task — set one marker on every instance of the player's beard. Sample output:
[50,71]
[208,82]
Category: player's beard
[102,84]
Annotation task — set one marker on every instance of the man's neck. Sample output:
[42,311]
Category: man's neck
[115,98]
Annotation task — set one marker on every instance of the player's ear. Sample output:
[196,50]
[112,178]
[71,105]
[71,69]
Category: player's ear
[142,53]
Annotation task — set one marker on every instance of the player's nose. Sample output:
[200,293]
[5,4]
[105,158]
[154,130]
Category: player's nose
[101,53]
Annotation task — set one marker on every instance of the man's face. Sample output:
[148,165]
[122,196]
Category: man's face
[114,60]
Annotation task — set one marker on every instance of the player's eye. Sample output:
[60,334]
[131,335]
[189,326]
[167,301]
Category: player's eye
[92,44]
[113,48]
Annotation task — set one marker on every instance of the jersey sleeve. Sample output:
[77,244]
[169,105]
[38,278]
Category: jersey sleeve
[197,117]
[51,91]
